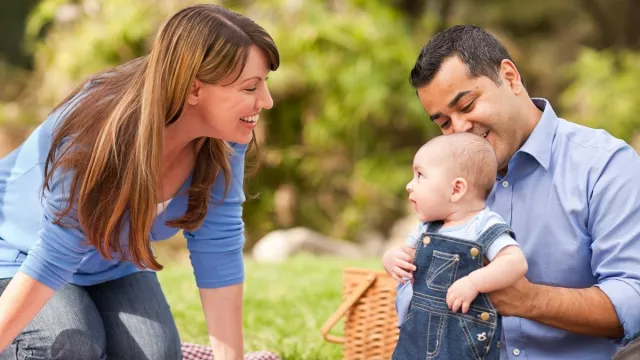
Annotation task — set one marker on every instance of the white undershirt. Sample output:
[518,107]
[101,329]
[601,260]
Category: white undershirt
[162,206]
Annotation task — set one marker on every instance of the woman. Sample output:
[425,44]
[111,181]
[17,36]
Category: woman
[131,156]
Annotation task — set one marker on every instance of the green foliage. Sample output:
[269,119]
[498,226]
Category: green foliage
[605,92]
[346,121]
[85,38]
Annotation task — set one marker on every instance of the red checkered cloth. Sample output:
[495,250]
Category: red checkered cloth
[201,352]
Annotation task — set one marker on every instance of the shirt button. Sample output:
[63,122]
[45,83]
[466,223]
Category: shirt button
[505,184]
[516,352]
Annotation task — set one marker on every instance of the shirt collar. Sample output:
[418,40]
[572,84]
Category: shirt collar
[538,145]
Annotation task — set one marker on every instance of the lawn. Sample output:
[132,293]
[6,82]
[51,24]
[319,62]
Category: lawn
[285,304]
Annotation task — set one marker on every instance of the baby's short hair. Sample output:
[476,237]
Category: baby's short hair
[468,156]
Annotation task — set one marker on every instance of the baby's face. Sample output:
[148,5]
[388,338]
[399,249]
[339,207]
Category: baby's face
[431,188]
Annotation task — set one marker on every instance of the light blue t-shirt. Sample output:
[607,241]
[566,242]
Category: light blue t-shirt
[470,230]
[55,255]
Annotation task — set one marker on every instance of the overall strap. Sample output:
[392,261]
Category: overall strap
[493,232]
[434,226]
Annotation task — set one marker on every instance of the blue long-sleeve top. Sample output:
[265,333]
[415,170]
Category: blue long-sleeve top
[54,255]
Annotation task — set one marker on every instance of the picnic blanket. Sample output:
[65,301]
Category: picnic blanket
[201,352]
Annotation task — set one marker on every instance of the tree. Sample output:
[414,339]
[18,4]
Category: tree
[604,92]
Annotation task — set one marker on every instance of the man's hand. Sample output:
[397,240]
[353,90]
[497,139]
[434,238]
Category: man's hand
[515,300]
[461,294]
[398,262]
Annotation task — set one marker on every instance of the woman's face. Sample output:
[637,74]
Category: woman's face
[230,110]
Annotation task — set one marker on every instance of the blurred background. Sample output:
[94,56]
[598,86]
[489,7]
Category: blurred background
[335,150]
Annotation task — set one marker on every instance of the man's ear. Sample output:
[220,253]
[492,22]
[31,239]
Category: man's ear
[459,188]
[511,76]
[194,93]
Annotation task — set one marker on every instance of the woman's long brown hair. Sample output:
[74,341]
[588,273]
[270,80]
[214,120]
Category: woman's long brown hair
[111,138]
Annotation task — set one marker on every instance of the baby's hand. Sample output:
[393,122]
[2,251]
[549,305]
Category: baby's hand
[461,294]
[399,264]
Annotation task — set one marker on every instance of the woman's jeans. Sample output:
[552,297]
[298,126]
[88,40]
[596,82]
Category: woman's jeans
[126,318]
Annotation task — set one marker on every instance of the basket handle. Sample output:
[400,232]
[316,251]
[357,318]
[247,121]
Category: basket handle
[344,307]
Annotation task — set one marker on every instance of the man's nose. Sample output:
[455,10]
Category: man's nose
[461,125]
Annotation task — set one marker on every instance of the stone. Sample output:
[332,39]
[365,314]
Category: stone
[279,245]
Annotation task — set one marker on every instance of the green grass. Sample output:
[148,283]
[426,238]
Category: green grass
[285,304]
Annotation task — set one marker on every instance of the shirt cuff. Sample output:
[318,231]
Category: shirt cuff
[216,270]
[42,272]
[625,299]
[498,244]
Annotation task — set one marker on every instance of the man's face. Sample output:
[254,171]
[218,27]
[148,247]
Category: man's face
[458,103]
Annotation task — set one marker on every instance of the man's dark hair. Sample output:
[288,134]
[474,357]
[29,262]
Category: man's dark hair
[480,51]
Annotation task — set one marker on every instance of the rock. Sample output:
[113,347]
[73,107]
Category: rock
[372,243]
[279,245]
[400,230]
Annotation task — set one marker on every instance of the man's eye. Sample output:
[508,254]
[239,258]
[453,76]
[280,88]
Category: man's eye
[445,124]
[468,107]
[252,89]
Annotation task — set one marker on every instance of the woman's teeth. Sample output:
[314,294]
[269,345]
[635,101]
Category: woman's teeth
[250,119]
[485,135]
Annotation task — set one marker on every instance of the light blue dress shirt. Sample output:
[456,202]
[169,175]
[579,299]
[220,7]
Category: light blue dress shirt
[572,196]
[55,255]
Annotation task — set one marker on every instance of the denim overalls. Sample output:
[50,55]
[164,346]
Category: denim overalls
[433,332]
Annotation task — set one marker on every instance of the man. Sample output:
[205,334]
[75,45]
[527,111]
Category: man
[571,193]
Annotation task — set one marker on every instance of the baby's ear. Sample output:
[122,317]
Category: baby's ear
[459,187]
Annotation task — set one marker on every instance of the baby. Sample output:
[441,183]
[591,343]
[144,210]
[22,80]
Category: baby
[453,176]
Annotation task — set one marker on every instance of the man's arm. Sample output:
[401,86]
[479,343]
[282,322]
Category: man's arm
[582,311]
[223,313]
[611,307]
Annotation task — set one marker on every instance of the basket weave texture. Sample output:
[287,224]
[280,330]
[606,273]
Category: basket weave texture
[370,320]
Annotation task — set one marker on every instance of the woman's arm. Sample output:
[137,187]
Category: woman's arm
[223,313]
[19,304]
[216,255]
[50,262]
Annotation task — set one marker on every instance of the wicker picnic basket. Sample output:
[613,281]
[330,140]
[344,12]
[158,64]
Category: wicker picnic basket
[370,326]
